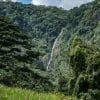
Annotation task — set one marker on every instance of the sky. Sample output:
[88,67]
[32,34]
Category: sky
[66,4]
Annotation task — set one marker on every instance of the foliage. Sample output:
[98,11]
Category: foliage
[91,95]
[87,78]
[82,22]
[17,59]
[23,94]
[43,24]
[25,50]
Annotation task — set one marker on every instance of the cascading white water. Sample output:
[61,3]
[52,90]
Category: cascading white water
[54,45]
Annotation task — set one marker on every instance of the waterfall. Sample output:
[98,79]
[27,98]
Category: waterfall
[54,45]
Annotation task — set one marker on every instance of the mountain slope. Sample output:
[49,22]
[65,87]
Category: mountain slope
[83,22]
[79,71]
[50,28]
[37,21]
[17,57]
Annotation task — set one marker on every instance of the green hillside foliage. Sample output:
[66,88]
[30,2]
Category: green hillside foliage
[41,23]
[17,57]
[27,35]
[85,61]
[83,22]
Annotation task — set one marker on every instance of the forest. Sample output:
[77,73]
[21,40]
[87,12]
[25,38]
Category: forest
[48,53]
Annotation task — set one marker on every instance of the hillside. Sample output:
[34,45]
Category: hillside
[51,49]
[41,23]
[70,72]
[83,22]
[17,57]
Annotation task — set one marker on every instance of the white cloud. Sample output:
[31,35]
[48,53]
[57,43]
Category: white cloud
[66,4]
[46,2]
[10,0]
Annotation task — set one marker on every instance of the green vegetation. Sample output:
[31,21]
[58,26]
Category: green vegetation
[27,34]
[41,23]
[83,22]
[23,94]
[17,57]
[85,62]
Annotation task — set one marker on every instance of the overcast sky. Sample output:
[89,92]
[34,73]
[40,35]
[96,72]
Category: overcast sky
[66,4]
